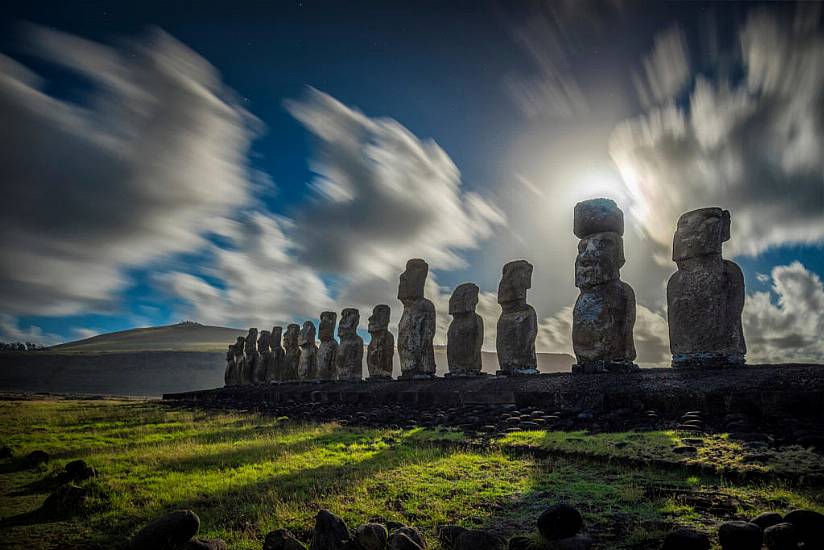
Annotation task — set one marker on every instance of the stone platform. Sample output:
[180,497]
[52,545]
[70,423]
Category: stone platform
[765,391]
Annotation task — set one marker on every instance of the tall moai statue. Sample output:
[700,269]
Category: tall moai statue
[240,360]
[328,348]
[275,369]
[252,357]
[382,345]
[308,365]
[604,313]
[518,324]
[417,326]
[350,351]
[265,362]
[466,332]
[291,346]
[705,297]
[230,375]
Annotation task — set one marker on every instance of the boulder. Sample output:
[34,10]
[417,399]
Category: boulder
[739,535]
[809,525]
[767,519]
[330,532]
[686,539]
[475,539]
[371,536]
[167,532]
[781,536]
[448,534]
[282,539]
[205,544]
[400,541]
[559,522]
[78,470]
[66,501]
[412,533]
[36,458]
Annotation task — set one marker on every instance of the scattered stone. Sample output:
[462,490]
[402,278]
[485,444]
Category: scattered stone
[308,365]
[205,544]
[36,458]
[416,329]
[781,536]
[372,536]
[560,521]
[291,347]
[282,539]
[448,534]
[739,535]
[475,539]
[466,332]
[411,532]
[686,539]
[330,532]
[767,519]
[809,525]
[518,324]
[705,297]
[350,350]
[66,501]
[520,542]
[604,314]
[167,532]
[382,345]
[400,541]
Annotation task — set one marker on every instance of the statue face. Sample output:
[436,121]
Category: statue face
[263,341]
[307,334]
[413,280]
[516,279]
[464,299]
[379,320]
[277,333]
[600,257]
[349,319]
[327,325]
[251,340]
[700,233]
[292,336]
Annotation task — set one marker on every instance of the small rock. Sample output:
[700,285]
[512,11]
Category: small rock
[35,458]
[448,534]
[739,535]
[767,519]
[78,470]
[282,539]
[399,541]
[686,539]
[475,539]
[371,536]
[560,521]
[330,532]
[167,532]
[412,533]
[204,544]
[65,501]
[781,536]
[809,526]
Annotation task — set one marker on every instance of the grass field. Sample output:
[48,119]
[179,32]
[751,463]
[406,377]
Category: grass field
[246,474]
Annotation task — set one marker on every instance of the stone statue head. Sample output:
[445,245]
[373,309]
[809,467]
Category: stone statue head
[292,336]
[263,341]
[251,340]
[349,319]
[240,344]
[326,329]
[379,320]
[515,281]
[307,334]
[464,298]
[700,233]
[597,216]
[413,280]
[277,333]
[599,260]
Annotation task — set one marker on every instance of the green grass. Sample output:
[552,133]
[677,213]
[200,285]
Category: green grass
[245,474]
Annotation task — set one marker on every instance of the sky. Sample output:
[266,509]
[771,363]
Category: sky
[252,163]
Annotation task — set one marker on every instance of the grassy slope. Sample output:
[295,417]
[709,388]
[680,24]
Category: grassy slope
[181,337]
[245,474]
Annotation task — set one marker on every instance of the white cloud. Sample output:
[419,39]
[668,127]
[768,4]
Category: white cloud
[152,159]
[11,331]
[666,68]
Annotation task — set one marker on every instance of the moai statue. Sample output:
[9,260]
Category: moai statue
[229,376]
[328,349]
[382,345]
[466,332]
[240,360]
[705,297]
[275,369]
[417,326]
[250,365]
[604,313]
[291,361]
[518,323]
[350,351]
[266,358]
[308,365]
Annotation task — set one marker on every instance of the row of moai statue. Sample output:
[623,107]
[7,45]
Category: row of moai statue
[705,299]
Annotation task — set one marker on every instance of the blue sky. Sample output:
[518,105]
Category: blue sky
[324,143]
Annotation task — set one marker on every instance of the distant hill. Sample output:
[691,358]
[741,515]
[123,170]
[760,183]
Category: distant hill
[186,336]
